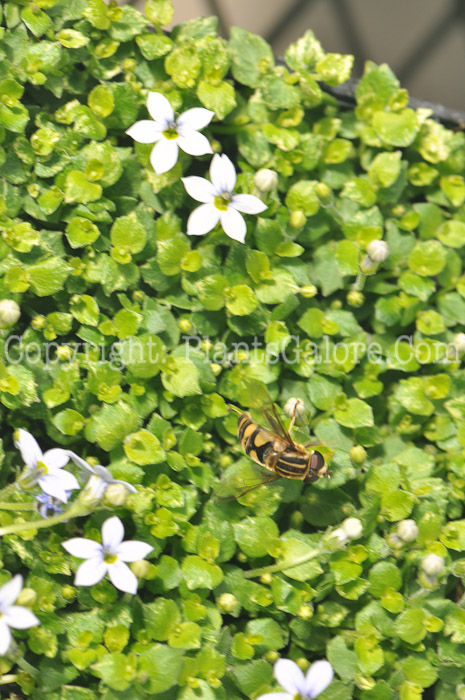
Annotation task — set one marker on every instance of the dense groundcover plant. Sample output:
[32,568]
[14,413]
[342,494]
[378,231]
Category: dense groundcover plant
[124,339]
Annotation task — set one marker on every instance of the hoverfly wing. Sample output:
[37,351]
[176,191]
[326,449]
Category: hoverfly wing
[240,479]
[265,412]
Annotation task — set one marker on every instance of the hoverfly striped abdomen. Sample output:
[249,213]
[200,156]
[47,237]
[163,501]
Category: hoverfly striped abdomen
[256,442]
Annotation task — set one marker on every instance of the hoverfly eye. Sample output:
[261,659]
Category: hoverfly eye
[317,464]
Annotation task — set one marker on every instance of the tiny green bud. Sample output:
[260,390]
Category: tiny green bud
[129,65]
[27,597]
[225,461]
[64,353]
[324,194]
[216,146]
[358,454]
[308,291]
[185,326]
[215,368]
[266,180]
[432,564]
[459,342]
[302,663]
[271,656]
[228,603]
[355,298]
[378,250]
[140,567]
[38,322]
[68,592]
[266,578]
[407,530]
[368,266]
[305,612]
[353,528]
[206,345]
[115,495]
[9,313]
[297,219]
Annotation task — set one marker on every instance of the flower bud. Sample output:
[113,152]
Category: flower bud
[459,342]
[140,567]
[352,527]
[378,250]
[38,322]
[324,193]
[294,407]
[266,578]
[64,353]
[305,612]
[297,219]
[266,180]
[407,530]
[215,368]
[355,298]
[9,313]
[228,603]
[432,564]
[93,491]
[339,535]
[115,495]
[308,291]
[27,597]
[394,541]
[68,592]
[358,454]
[368,266]
[185,326]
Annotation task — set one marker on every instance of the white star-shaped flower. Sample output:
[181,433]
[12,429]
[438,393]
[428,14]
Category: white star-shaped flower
[15,616]
[108,557]
[290,677]
[168,133]
[219,203]
[100,477]
[44,468]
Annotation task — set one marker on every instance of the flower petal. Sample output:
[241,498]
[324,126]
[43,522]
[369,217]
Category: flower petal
[248,204]
[5,637]
[132,550]
[319,676]
[83,548]
[122,577]
[130,487]
[10,591]
[90,572]
[275,696]
[202,220]
[194,119]
[164,155]
[80,462]
[199,188]
[289,676]
[159,108]
[20,618]
[56,458]
[112,533]
[233,224]
[194,143]
[222,173]
[55,485]
[145,131]
[29,448]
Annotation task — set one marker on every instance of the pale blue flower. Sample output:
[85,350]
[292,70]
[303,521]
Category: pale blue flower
[297,686]
[15,616]
[108,557]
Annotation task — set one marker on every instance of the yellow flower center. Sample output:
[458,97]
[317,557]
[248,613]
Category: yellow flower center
[42,467]
[110,558]
[171,132]
[222,201]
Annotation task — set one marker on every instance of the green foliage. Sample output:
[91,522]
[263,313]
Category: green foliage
[134,338]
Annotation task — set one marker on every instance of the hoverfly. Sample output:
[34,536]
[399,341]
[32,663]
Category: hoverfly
[272,447]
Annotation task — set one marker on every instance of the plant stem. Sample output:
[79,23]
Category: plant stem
[75,511]
[283,565]
[17,506]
